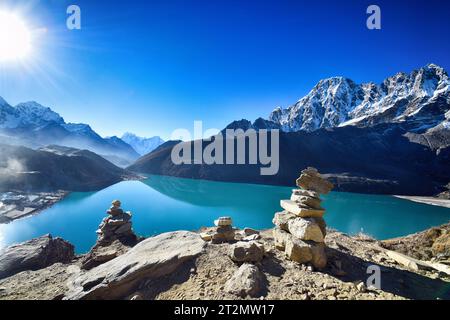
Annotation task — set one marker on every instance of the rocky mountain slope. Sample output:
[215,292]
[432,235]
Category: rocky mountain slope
[423,96]
[380,159]
[55,168]
[425,245]
[142,146]
[33,125]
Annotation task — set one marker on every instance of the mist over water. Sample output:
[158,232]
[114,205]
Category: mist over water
[161,204]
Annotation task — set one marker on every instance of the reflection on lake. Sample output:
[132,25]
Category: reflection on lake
[161,204]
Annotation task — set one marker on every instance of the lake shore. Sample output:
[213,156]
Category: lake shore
[427,200]
[16,205]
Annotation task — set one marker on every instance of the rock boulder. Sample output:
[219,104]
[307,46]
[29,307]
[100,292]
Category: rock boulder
[281,219]
[35,254]
[152,258]
[247,252]
[306,229]
[246,281]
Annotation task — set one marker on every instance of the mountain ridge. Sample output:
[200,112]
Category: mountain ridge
[142,145]
[33,125]
[422,95]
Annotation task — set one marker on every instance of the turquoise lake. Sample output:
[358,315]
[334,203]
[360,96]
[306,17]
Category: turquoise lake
[161,204]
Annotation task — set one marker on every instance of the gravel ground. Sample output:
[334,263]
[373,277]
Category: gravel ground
[205,278]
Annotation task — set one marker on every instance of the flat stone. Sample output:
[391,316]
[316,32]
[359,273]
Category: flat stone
[247,252]
[281,219]
[306,229]
[304,212]
[248,280]
[223,222]
[307,201]
[314,183]
[150,259]
[307,193]
[280,238]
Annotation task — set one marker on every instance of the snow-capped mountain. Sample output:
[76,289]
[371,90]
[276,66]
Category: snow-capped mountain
[422,96]
[33,125]
[28,114]
[142,145]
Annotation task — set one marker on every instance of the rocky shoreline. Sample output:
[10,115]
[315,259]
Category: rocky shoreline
[16,205]
[433,201]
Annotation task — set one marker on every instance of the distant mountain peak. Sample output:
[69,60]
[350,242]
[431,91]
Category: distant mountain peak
[33,113]
[142,145]
[34,125]
[3,102]
[339,101]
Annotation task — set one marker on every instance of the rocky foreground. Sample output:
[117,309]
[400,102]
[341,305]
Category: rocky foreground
[180,265]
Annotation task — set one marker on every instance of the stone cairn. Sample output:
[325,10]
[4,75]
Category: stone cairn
[115,237]
[300,229]
[116,226]
[222,232]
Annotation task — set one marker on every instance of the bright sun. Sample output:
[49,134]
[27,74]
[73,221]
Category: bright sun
[15,38]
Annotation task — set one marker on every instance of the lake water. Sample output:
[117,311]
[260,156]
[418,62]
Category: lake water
[162,204]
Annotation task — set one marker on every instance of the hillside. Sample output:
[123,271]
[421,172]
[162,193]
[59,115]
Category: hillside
[55,168]
[380,159]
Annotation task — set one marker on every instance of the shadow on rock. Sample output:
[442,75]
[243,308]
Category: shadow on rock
[349,268]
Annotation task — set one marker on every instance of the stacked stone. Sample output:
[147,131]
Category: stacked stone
[222,232]
[116,226]
[300,229]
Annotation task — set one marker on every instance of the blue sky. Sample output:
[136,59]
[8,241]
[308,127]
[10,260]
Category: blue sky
[151,67]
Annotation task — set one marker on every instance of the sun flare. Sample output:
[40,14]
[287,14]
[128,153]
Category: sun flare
[15,37]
